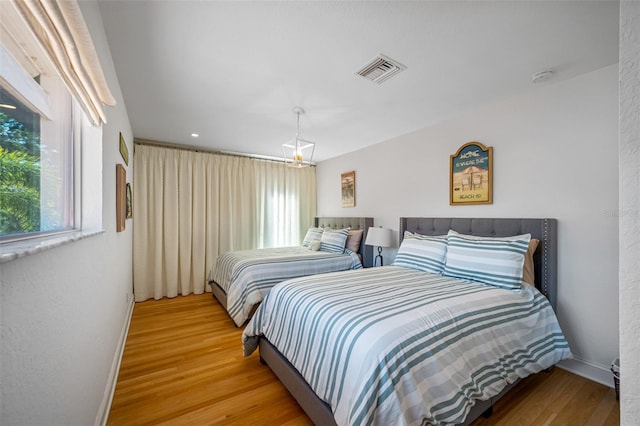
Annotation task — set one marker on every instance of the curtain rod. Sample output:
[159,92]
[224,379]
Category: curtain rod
[208,151]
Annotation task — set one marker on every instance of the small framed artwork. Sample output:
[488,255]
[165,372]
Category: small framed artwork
[121,197]
[471,175]
[124,151]
[129,202]
[348,186]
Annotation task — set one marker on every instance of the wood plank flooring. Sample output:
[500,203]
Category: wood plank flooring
[183,364]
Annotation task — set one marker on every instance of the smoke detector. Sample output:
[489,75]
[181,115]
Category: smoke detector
[380,69]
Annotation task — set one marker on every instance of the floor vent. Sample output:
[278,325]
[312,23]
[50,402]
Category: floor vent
[380,69]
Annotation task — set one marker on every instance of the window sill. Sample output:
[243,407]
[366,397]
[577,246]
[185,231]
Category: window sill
[15,250]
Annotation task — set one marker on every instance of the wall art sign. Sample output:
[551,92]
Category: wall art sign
[124,151]
[129,202]
[348,186]
[121,197]
[471,175]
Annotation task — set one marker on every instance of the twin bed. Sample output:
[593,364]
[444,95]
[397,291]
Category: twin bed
[241,279]
[417,342]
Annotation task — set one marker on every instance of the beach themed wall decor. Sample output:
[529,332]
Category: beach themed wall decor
[348,189]
[121,197]
[471,175]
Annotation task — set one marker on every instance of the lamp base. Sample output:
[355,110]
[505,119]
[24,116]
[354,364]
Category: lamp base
[375,260]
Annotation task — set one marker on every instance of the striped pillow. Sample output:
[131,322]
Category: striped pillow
[422,252]
[312,234]
[334,240]
[409,234]
[494,261]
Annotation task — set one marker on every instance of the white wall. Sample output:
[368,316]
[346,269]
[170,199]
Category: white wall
[629,212]
[555,154]
[64,310]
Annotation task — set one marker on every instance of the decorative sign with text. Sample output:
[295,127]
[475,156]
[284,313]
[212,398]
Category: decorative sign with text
[471,175]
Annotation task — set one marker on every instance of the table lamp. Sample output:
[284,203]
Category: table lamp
[381,237]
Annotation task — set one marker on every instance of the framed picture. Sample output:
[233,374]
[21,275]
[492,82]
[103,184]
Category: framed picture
[129,202]
[471,175]
[348,186]
[124,151]
[121,198]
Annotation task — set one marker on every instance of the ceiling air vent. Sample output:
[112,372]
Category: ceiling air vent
[380,69]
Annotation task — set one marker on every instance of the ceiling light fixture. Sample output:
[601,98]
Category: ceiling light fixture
[194,135]
[294,152]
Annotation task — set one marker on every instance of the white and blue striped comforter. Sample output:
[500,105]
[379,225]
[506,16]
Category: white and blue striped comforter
[395,346]
[246,276]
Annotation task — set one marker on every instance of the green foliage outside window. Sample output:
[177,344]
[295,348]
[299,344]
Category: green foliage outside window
[19,177]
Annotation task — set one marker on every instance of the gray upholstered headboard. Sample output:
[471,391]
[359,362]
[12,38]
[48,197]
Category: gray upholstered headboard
[363,223]
[545,258]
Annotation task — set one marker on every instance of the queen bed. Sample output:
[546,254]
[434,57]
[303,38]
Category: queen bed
[403,344]
[241,279]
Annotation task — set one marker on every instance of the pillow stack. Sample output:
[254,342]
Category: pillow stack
[497,261]
[331,240]
[334,240]
[422,252]
[312,235]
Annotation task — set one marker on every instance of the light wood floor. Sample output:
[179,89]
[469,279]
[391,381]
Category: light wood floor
[183,364]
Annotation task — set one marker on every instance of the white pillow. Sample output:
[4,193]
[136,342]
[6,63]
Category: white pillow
[334,240]
[422,252]
[313,233]
[497,261]
[315,245]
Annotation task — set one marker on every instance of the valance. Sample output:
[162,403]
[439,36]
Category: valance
[61,30]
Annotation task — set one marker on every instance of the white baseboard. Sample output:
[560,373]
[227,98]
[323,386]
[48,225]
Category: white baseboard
[588,370]
[105,406]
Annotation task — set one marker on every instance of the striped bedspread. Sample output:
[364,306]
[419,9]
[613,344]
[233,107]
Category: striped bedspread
[399,346]
[246,276]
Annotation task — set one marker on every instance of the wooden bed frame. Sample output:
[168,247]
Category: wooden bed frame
[545,267]
[363,223]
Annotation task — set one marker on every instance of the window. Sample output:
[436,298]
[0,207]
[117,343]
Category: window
[36,149]
[52,89]
[20,165]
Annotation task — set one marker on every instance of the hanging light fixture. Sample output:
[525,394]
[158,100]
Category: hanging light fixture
[298,152]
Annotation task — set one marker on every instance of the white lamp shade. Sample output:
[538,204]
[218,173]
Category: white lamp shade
[380,237]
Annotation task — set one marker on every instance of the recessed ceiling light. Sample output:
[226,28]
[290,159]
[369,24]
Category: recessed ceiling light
[194,135]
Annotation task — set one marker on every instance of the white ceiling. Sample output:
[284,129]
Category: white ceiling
[232,71]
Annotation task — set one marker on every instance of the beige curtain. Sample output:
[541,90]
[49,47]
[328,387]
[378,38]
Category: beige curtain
[190,206]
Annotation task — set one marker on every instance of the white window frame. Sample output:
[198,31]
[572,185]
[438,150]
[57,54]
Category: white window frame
[84,139]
